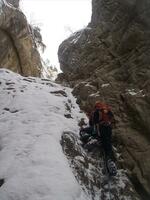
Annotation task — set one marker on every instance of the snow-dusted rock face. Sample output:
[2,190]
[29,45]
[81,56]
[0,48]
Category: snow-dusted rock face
[15,3]
[109,60]
[39,145]
[18,51]
[89,170]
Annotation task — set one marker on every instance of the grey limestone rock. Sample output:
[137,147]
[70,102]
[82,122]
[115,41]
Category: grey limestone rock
[18,50]
[113,56]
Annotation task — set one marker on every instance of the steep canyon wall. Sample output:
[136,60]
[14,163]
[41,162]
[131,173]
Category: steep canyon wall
[18,50]
[109,60]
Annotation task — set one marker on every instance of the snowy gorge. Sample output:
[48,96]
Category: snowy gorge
[32,120]
[41,157]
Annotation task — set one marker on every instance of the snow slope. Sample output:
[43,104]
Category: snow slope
[32,121]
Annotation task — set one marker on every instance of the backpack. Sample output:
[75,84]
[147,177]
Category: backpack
[107,116]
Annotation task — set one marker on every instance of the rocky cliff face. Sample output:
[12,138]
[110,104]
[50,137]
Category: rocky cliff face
[18,51]
[109,60]
[90,171]
[15,3]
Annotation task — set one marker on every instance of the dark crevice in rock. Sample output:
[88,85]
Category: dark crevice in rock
[59,92]
[139,188]
[9,83]
[68,116]
[47,83]
[68,107]
[14,111]
[7,109]
[10,88]
[20,70]
[11,111]
[28,80]
[44,79]
[2,181]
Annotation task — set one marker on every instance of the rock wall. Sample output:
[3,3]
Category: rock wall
[18,51]
[90,171]
[110,61]
[15,3]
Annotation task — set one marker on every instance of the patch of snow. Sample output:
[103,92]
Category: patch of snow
[76,36]
[134,92]
[95,94]
[105,85]
[74,41]
[32,121]
[79,158]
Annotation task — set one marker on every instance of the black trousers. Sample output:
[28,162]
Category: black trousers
[85,134]
[88,130]
[106,134]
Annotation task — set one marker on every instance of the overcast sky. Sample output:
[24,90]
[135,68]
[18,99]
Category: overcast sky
[54,17]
